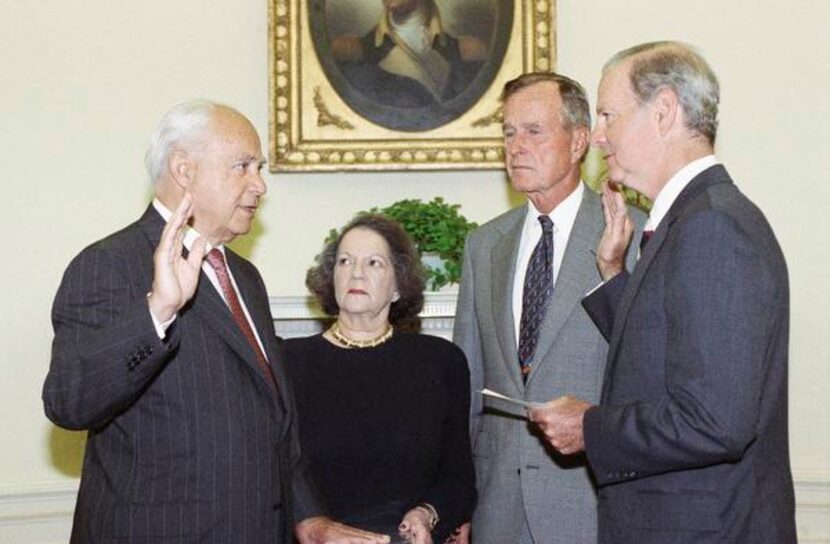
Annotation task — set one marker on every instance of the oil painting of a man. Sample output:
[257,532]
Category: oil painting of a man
[408,59]
[410,64]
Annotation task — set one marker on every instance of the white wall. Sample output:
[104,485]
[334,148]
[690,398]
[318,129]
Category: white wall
[83,83]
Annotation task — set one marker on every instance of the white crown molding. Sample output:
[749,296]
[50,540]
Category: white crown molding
[812,505]
[37,513]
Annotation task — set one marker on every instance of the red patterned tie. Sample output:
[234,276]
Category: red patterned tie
[217,261]
[647,234]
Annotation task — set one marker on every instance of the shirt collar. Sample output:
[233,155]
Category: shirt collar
[564,213]
[190,234]
[386,27]
[671,190]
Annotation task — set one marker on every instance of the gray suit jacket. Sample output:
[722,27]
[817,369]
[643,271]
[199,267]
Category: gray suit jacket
[187,441]
[517,475]
[689,443]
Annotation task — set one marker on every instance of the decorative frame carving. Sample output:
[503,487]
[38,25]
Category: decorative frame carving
[313,128]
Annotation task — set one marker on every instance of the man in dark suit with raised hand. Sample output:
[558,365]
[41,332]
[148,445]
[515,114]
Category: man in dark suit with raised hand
[165,352]
[689,441]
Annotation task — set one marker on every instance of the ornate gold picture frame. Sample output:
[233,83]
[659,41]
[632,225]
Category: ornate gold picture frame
[338,104]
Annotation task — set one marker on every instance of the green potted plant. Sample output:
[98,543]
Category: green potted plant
[439,232]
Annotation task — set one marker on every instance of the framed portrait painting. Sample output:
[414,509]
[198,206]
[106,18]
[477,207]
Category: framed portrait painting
[398,84]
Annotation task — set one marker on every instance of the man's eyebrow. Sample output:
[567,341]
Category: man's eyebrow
[250,158]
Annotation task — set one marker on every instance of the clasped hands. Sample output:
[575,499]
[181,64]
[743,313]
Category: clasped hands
[414,529]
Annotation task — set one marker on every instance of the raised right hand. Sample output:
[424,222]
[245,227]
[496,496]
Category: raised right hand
[617,234]
[175,278]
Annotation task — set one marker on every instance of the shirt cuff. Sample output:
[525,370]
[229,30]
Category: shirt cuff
[591,292]
[161,328]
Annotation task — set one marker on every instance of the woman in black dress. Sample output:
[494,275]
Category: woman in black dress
[383,414]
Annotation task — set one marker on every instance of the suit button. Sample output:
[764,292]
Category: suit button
[132,362]
[519,471]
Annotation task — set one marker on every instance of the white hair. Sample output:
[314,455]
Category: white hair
[677,66]
[181,127]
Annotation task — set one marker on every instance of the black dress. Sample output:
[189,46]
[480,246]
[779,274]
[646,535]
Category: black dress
[385,428]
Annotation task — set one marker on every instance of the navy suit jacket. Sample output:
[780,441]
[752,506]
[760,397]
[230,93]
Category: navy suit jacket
[689,442]
[187,441]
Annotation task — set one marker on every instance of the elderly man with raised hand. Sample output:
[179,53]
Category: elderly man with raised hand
[689,441]
[520,322]
[165,352]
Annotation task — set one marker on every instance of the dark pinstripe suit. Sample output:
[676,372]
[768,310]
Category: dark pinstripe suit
[187,442]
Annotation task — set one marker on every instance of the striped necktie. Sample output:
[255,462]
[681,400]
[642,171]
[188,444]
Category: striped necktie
[538,288]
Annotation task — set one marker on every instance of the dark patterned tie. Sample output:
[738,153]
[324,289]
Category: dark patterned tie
[536,295]
[647,234]
[216,260]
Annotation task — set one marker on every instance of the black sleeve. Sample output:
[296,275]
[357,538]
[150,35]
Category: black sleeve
[453,495]
[601,304]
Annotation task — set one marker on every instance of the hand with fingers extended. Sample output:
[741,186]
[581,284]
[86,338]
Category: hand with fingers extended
[415,527]
[560,420]
[323,530]
[175,277]
[617,234]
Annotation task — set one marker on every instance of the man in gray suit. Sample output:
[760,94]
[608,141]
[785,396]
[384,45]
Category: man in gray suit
[172,365]
[689,440]
[528,493]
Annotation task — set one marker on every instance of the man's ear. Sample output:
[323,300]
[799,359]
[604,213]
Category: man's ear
[667,111]
[579,143]
[180,168]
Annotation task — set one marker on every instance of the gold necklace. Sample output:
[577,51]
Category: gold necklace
[346,342]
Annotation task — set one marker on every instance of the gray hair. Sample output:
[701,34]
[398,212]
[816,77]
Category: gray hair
[677,66]
[576,111]
[181,127]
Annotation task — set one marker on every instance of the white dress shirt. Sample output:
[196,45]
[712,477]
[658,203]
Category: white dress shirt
[671,190]
[190,237]
[563,217]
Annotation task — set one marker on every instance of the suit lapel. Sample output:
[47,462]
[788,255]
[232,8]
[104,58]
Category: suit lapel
[151,224]
[209,306]
[572,282]
[261,318]
[503,265]
[703,181]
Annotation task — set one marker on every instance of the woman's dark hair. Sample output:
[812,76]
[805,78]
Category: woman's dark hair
[409,273]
